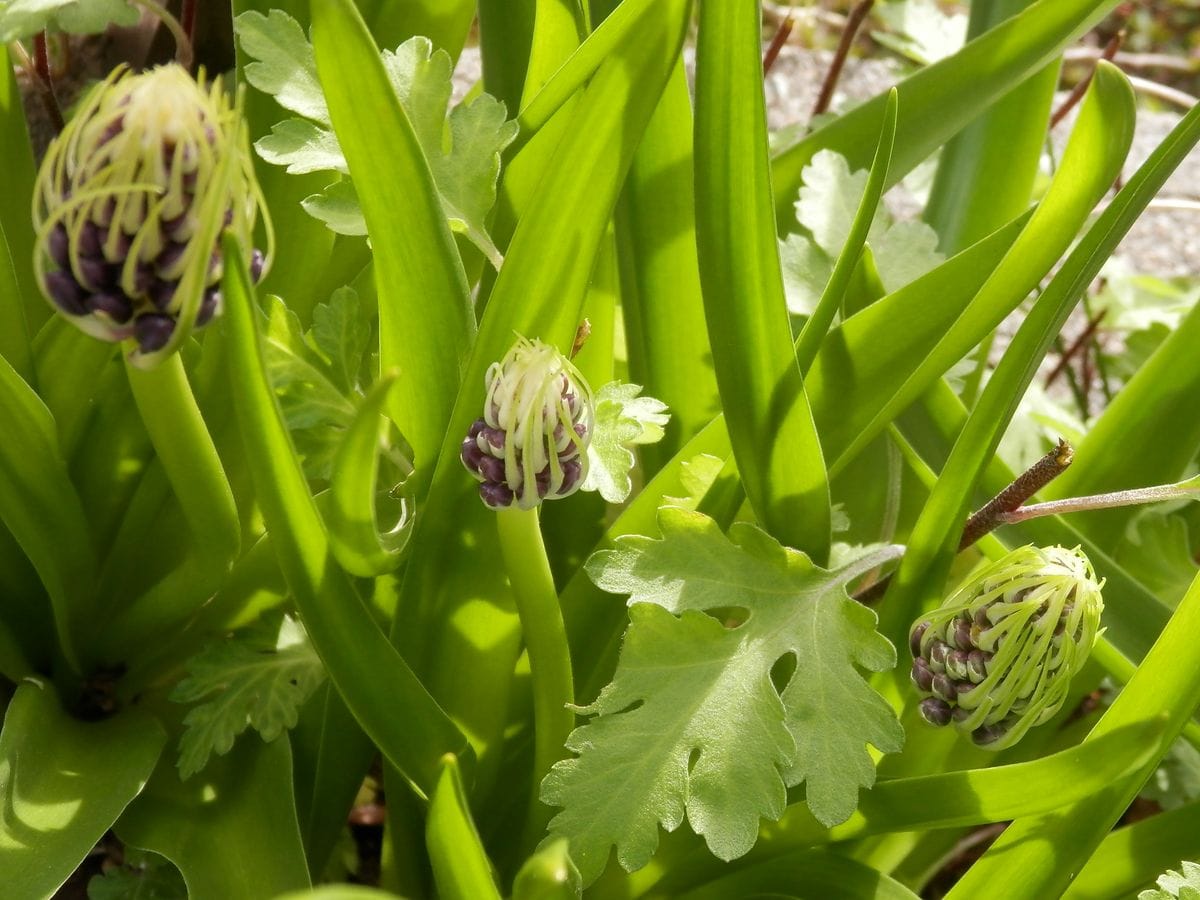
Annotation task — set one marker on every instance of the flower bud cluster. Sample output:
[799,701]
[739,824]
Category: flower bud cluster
[531,443]
[998,656]
[126,202]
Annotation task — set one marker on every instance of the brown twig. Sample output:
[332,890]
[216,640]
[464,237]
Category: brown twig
[990,516]
[1110,50]
[45,80]
[781,35]
[853,22]
[1076,346]
[187,19]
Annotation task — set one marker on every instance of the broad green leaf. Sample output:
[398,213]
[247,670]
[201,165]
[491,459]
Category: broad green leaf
[338,207]
[379,688]
[946,800]
[623,419]
[142,876]
[461,869]
[25,18]
[761,387]
[260,680]
[418,273]
[827,206]
[1181,885]
[283,62]
[303,147]
[341,331]
[14,334]
[446,22]
[63,782]
[937,101]
[703,688]
[231,830]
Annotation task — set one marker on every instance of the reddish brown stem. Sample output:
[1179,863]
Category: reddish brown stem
[187,19]
[1076,346]
[777,42]
[41,68]
[1110,50]
[991,515]
[853,22]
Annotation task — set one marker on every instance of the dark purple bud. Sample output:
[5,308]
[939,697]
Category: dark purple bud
[937,656]
[962,634]
[170,256]
[956,663]
[943,686]
[257,261]
[476,428]
[494,437]
[58,246]
[935,711]
[922,675]
[471,456]
[543,481]
[90,241]
[981,617]
[914,639]
[152,331]
[116,306]
[66,293]
[209,304]
[491,468]
[497,496]
[144,279]
[965,687]
[94,274]
[572,473]
[987,734]
[162,293]
[977,665]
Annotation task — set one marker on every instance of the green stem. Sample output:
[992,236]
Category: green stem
[183,445]
[545,642]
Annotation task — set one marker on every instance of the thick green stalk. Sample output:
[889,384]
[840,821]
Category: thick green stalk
[545,642]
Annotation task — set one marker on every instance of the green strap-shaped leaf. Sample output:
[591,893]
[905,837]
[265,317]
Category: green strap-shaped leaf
[833,297]
[937,101]
[418,272]
[661,303]
[350,513]
[445,22]
[1101,139]
[1037,856]
[808,873]
[231,830]
[461,869]
[393,707]
[949,800]
[63,782]
[762,391]
[1130,857]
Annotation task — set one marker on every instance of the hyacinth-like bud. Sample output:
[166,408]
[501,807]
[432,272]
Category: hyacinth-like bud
[998,656]
[531,443]
[130,203]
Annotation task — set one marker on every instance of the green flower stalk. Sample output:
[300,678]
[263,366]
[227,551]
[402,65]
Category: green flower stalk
[531,443]
[998,656]
[130,202]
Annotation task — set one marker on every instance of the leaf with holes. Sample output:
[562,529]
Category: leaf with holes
[693,724]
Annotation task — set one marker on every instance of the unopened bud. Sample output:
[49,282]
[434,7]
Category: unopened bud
[997,657]
[531,443]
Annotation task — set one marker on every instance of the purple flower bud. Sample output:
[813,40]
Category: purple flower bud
[66,293]
[935,711]
[914,639]
[943,686]
[922,676]
[497,496]
[116,306]
[152,331]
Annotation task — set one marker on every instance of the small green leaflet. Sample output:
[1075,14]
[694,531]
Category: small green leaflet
[692,724]
[258,679]
[902,251]
[622,420]
[1183,885]
[341,332]
[463,148]
[1156,549]
[144,876]
[25,18]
